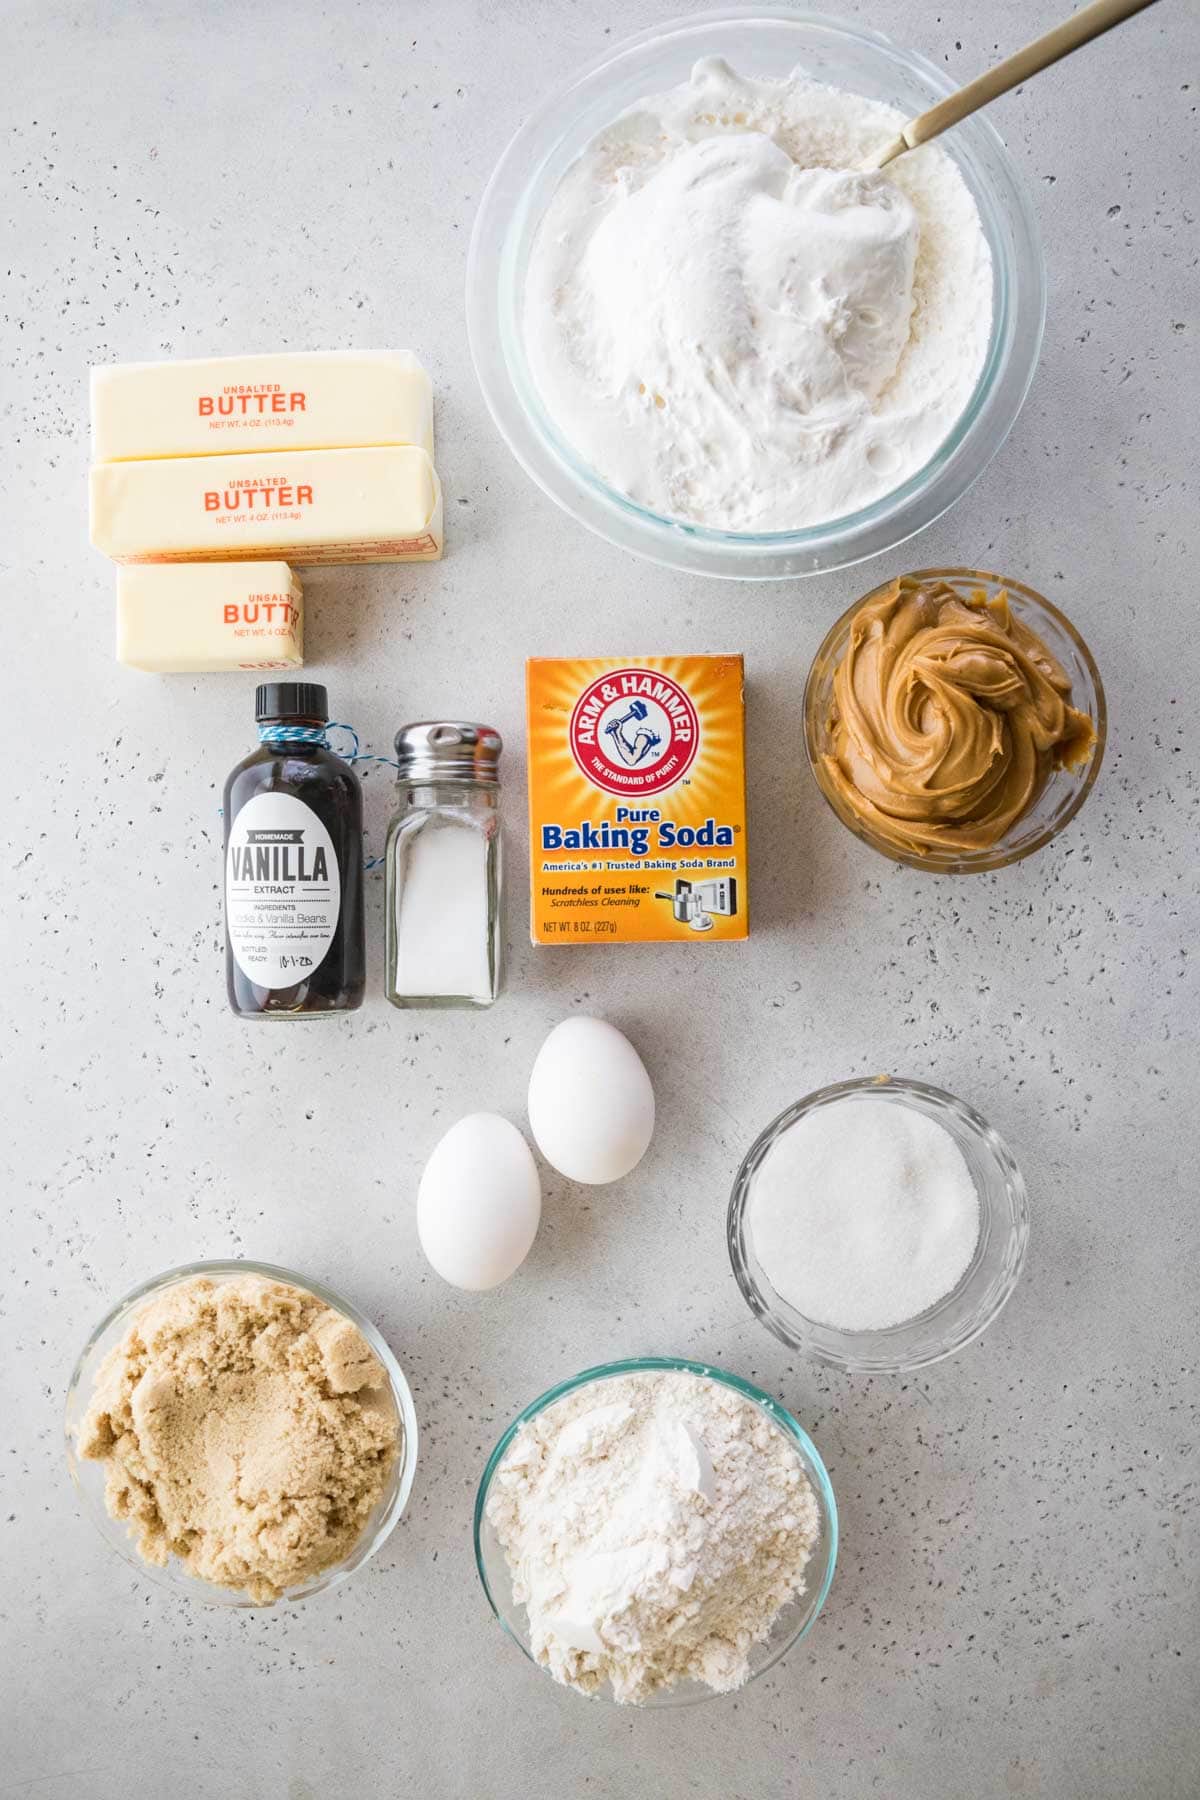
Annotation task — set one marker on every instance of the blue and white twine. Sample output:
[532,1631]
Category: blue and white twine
[273,732]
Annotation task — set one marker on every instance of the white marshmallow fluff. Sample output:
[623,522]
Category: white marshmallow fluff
[734,328]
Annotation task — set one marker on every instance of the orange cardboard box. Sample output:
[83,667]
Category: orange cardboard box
[637,799]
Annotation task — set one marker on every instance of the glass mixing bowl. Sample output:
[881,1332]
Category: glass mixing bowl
[88,1476]
[761,41]
[955,1319]
[1065,791]
[795,1620]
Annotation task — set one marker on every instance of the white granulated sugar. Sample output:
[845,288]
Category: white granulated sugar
[734,328]
[654,1524]
[863,1213]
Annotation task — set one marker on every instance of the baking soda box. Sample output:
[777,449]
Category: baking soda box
[637,799]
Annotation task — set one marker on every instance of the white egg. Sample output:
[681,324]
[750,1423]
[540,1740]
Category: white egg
[591,1105]
[479,1202]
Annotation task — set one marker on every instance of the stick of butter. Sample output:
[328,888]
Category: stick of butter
[223,405]
[198,618]
[308,506]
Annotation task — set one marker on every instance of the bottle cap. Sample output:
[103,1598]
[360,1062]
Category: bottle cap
[291,700]
[449,750]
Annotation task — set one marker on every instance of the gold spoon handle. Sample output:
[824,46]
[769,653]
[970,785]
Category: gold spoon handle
[1088,23]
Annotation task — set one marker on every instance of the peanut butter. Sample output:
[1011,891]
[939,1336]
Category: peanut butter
[948,717]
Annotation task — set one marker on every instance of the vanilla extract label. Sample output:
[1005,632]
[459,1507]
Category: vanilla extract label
[282,890]
[278,856]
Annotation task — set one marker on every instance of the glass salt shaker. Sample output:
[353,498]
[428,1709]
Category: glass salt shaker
[442,867]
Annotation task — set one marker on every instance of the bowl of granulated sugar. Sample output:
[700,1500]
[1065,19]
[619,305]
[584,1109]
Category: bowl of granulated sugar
[879,1225]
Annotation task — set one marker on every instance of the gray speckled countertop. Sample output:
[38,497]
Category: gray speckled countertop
[1015,1611]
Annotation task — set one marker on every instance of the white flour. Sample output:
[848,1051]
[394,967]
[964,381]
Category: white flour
[654,1524]
[732,328]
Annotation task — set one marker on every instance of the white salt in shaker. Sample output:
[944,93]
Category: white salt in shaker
[443,867]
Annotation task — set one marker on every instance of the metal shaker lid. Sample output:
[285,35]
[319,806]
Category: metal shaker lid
[449,750]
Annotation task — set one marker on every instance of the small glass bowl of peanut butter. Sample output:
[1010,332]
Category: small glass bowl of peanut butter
[954,720]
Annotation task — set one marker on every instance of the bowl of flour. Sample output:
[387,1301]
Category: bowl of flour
[655,1532]
[710,339]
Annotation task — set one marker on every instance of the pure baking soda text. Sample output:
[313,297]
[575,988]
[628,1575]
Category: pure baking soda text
[637,799]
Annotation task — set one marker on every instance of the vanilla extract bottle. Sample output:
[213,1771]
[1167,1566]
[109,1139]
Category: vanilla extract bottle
[294,936]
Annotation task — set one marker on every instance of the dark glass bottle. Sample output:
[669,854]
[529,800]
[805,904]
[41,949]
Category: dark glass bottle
[294,939]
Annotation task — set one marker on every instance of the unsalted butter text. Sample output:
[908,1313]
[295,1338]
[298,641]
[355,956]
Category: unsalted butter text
[249,495]
[240,402]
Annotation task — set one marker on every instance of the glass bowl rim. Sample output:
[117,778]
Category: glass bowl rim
[894,1087]
[170,1575]
[812,1460]
[840,535]
[982,862]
